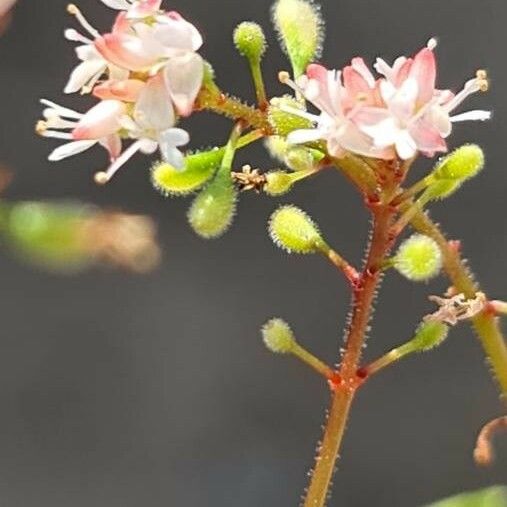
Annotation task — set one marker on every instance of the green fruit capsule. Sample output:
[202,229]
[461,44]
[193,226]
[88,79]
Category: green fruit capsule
[419,258]
[293,230]
[199,168]
[301,30]
[278,336]
[213,210]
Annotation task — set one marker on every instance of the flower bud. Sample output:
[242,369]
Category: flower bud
[278,183]
[212,211]
[429,335]
[199,168]
[277,146]
[250,41]
[301,31]
[419,258]
[278,336]
[284,122]
[452,171]
[302,159]
[293,230]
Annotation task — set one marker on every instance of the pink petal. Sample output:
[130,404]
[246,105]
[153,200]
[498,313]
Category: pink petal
[144,8]
[100,121]
[183,76]
[424,71]
[127,90]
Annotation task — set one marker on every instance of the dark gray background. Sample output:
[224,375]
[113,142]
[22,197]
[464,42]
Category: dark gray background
[125,391]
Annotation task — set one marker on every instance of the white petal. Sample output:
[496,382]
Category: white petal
[173,156]
[62,111]
[472,116]
[405,145]
[69,149]
[119,5]
[154,110]
[83,74]
[304,136]
[175,137]
[183,76]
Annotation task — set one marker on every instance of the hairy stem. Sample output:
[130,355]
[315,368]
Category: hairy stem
[344,393]
[211,98]
[486,324]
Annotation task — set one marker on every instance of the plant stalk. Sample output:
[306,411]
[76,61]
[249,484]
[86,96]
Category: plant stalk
[344,393]
[486,324]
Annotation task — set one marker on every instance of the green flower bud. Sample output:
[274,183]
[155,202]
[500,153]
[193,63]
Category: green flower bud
[278,336]
[250,40]
[292,229]
[199,168]
[429,335]
[278,183]
[301,31]
[452,171]
[282,122]
[212,211]
[277,147]
[302,159]
[419,258]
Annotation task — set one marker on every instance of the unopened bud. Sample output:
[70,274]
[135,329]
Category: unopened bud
[429,335]
[213,210]
[250,41]
[199,168]
[419,258]
[293,230]
[278,336]
[284,122]
[299,158]
[454,170]
[278,183]
[301,31]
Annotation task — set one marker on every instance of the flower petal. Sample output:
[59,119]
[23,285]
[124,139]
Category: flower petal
[183,76]
[69,149]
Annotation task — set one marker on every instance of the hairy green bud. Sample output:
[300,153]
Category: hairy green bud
[301,31]
[293,230]
[199,168]
[454,170]
[419,258]
[250,40]
[213,210]
[278,183]
[278,336]
[429,335]
[284,122]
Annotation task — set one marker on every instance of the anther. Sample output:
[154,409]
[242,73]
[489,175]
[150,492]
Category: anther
[284,77]
[41,127]
[432,43]
[101,178]
[482,80]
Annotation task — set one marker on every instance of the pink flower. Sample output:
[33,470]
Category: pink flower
[100,124]
[400,114]
[338,107]
[417,115]
[143,40]
[149,123]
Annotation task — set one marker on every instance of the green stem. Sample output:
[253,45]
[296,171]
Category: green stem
[313,362]
[211,98]
[486,324]
[260,89]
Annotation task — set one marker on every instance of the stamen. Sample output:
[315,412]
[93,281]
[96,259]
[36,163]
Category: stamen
[482,80]
[299,112]
[41,127]
[432,43]
[284,78]
[103,177]
[75,36]
[73,10]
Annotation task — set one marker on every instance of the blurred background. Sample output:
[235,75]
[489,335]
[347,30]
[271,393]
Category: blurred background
[121,390]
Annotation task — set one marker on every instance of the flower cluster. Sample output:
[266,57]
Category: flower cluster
[146,73]
[399,114]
